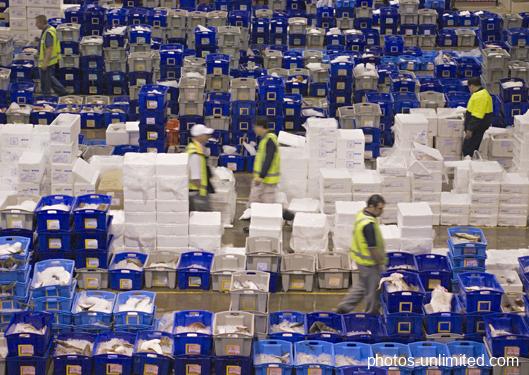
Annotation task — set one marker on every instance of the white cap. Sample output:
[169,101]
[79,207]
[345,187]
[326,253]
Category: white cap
[199,129]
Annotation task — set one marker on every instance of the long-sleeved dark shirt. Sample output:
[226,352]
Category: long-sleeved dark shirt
[271,149]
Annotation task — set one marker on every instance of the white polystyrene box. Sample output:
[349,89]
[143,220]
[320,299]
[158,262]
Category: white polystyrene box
[394,197]
[31,167]
[304,205]
[172,205]
[346,211]
[64,153]
[267,215]
[512,221]
[116,134]
[138,164]
[501,147]
[414,214]
[172,218]
[65,128]
[448,219]
[172,230]
[515,183]
[84,172]
[416,231]
[392,166]
[416,246]
[366,181]
[316,125]
[429,197]
[307,225]
[513,210]
[204,242]
[168,188]
[484,170]
[135,193]
[133,129]
[391,236]
[450,123]
[171,241]
[205,223]
[392,183]
[139,205]
[62,174]
[140,236]
[291,140]
[174,165]
[335,180]
[135,217]
[431,116]
[492,187]
[492,199]
[448,145]
[483,221]
[62,189]
[272,232]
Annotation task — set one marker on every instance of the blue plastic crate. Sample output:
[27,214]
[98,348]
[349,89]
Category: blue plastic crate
[18,290]
[93,318]
[331,320]
[389,20]
[66,364]
[53,290]
[22,70]
[462,248]
[384,100]
[513,94]
[356,326]
[404,323]
[271,89]
[153,98]
[272,347]
[134,318]
[54,304]
[403,83]
[434,270]
[355,42]
[187,122]
[20,274]
[22,92]
[445,322]
[398,260]
[489,21]
[114,39]
[427,349]
[456,99]
[191,343]
[126,279]
[469,349]
[233,365]
[92,117]
[218,64]
[91,219]
[293,317]
[513,344]
[35,365]
[233,162]
[405,302]
[468,67]
[467,262]
[340,72]
[139,34]
[54,241]
[113,363]
[115,84]
[194,270]
[243,109]
[123,149]
[447,38]
[315,348]
[152,133]
[510,110]
[53,219]
[29,344]
[42,117]
[152,362]
[24,248]
[115,113]
[488,299]
[446,70]
[393,45]
[358,352]
[394,350]
[217,104]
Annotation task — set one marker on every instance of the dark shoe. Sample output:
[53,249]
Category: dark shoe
[288,215]
[246,230]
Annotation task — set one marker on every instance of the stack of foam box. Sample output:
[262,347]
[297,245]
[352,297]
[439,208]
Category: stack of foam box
[410,128]
[139,191]
[335,185]
[366,183]
[205,231]
[350,146]
[415,224]
[224,200]
[450,127]
[521,143]
[22,16]
[391,236]
[310,233]
[426,170]
[64,147]
[31,170]
[431,116]
[321,139]
[85,178]
[514,200]
[266,221]
[395,185]
[344,220]
[294,171]
[172,201]
[485,184]
[455,208]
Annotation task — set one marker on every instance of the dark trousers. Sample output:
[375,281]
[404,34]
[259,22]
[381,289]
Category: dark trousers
[49,81]
[472,144]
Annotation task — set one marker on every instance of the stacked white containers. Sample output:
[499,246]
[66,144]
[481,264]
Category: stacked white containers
[431,116]
[224,200]
[310,233]
[266,221]
[321,138]
[205,231]
[514,200]
[139,191]
[410,128]
[294,171]
[521,144]
[415,224]
[22,15]
[64,147]
[31,171]
[396,184]
[350,146]
[172,201]
[450,127]
[455,208]
[335,185]
[344,220]
[485,184]
[366,183]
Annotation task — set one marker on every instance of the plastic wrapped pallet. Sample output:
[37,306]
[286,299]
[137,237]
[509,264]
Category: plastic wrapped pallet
[455,208]
[310,233]
[514,202]
[345,217]
[415,224]
[335,185]
[294,171]
[350,147]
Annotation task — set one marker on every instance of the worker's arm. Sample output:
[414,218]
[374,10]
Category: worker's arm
[194,169]
[369,235]
[270,153]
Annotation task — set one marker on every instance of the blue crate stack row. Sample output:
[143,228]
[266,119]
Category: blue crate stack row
[153,105]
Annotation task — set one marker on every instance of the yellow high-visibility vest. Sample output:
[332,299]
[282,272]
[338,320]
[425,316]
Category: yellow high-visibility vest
[359,250]
[56,47]
[480,104]
[195,148]
[273,176]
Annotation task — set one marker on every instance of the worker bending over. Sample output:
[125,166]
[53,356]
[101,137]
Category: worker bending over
[478,117]
[369,254]
[199,173]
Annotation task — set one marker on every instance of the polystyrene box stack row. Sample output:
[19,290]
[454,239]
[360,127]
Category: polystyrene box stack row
[485,184]
[514,200]
[350,146]
[310,233]
[395,186]
[266,220]
[366,183]
[64,148]
[294,171]
[520,147]
[449,138]
[172,201]
[321,138]
[455,208]
[344,220]
[22,15]
[335,185]
[415,224]
[205,231]
[224,200]
[139,191]
[426,170]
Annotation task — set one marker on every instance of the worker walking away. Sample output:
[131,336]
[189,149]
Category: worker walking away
[49,56]
[369,254]
[199,173]
[478,117]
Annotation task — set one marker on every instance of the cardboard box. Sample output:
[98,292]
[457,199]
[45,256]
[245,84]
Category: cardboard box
[111,183]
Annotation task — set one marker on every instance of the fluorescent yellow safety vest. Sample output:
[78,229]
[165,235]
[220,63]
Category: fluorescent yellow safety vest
[273,176]
[480,104]
[196,148]
[56,48]
[359,250]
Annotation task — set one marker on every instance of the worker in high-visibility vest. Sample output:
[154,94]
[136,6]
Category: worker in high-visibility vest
[266,167]
[199,173]
[49,56]
[478,117]
[369,254]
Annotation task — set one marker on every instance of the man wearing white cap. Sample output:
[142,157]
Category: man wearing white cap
[199,173]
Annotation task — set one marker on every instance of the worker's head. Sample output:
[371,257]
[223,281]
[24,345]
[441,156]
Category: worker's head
[375,205]
[261,126]
[41,22]
[474,84]
[201,133]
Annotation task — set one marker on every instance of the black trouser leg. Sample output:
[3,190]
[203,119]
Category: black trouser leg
[472,144]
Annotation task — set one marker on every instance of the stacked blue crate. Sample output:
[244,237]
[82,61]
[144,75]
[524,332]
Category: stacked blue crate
[171,61]
[205,41]
[69,72]
[125,271]
[386,103]
[490,27]
[506,335]
[292,107]
[340,85]
[93,20]
[271,95]
[92,65]
[465,255]
[105,362]
[29,351]
[153,361]
[513,98]
[313,356]
[278,30]
[53,214]
[64,363]
[92,311]
[153,117]
[265,350]
[134,311]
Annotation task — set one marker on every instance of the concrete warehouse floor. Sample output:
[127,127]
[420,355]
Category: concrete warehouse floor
[168,300]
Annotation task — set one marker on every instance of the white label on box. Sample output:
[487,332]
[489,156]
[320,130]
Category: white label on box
[54,243]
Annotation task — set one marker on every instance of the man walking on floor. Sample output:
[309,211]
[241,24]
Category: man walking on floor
[369,254]
[199,173]
[49,56]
